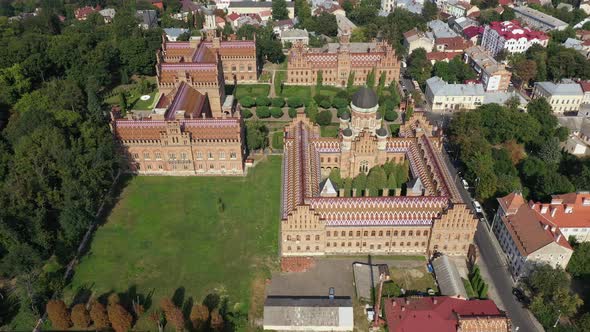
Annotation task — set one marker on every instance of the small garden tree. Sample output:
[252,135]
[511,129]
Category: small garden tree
[199,316]
[262,112]
[292,113]
[277,102]
[120,319]
[276,112]
[256,135]
[326,103]
[263,101]
[98,314]
[246,113]
[312,111]
[247,101]
[80,316]
[58,314]
[324,118]
[390,115]
[339,103]
[319,79]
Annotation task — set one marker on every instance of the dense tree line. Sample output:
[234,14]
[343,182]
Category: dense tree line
[57,155]
[503,149]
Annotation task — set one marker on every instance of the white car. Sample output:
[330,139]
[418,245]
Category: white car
[465,184]
[477,207]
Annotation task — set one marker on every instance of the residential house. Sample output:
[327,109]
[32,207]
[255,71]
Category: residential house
[511,37]
[578,141]
[283,25]
[583,34]
[148,19]
[441,29]
[233,19]
[473,34]
[442,96]
[172,34]
[415,39]
[451,44]
[444,314]
[529,235]
[461,23]
[563,97]
[307,313]
[493,75]
[81,14]
[585,6]
[581,46]
[460,8]
[252,19]
[435,57]
[328,7]
[538,20]
[344,24]
[290,37]
[108,14]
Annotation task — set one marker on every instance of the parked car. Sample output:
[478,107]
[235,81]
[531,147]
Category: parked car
[465,184]
[477,206]
[520,296]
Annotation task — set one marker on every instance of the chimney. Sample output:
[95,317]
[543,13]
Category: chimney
[435,300]
[546,227]
[553,229]
[544,209]
[403,309]
[553,210]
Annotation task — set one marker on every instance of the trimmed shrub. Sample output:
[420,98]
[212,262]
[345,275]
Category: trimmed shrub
[276,112]
[339,103]
[292,113]
[324,118]
[247,101]
[344,95]
[326,103]
[319,98]
[390,115]
[262,112]
[246,113]
[295,102]
[263,101]
[277,102]
[342,111]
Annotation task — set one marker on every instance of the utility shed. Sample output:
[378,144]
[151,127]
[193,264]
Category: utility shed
[285,313]
[448,277]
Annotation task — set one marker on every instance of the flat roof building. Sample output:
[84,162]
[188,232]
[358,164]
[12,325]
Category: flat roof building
[538,20]
[285,313]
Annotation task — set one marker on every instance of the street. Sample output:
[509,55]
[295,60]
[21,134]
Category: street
[494,268]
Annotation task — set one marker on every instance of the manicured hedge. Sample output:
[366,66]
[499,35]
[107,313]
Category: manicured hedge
[262,112]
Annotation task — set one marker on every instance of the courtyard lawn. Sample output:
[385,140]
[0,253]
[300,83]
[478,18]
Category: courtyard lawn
[413,279]
[143,105]
[168,233]
[296,91]
[252,90]
[329,91]
[329,131]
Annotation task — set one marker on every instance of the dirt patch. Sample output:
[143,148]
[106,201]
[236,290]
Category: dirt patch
[297,264]
[255,314]
[413,273]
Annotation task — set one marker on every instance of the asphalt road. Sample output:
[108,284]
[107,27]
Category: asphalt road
[491,259]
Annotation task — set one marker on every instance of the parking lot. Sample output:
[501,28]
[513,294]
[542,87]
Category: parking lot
[331,272]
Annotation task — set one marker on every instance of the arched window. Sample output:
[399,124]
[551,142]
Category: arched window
[364,166]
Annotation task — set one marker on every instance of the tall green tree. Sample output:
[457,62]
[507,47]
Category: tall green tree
[279,10]
[419,66]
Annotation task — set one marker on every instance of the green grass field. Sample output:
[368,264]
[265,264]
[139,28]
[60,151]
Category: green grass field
[252,90]
[329,131]
[296,91]
[168,232]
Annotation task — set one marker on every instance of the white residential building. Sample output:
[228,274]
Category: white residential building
[563,97]
[295,35]
[528,236]
[493,75]
[442,96]
[511,36]
[415,39]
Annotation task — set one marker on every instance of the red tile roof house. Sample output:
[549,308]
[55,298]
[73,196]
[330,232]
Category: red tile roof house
[536,233]
[444,314]
[511,36]
[82,13]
